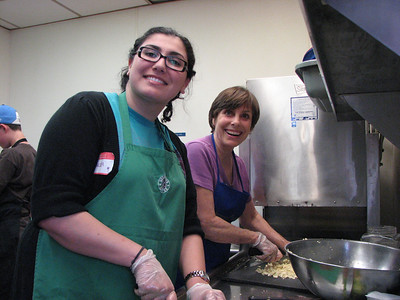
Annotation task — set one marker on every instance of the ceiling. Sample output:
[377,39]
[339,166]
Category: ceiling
[17,14]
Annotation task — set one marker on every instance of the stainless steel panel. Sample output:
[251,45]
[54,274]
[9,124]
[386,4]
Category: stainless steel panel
[379,18]
[295,160]
[373,199]
[384,115]
[390,185]
[357,47]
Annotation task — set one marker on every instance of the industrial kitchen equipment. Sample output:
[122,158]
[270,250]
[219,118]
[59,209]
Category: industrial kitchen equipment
[307,170]
[331,180]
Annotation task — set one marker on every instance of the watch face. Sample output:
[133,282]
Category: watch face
[205,276]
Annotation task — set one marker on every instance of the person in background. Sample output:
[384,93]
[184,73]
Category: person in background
[113,194]
[16,171]
[222,182]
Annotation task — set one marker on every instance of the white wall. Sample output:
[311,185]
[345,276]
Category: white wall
[4,65]
[233,40]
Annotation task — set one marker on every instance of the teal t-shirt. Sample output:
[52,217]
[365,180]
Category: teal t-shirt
[144,132]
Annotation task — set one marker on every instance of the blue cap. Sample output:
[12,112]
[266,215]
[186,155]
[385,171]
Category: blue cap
[9,115]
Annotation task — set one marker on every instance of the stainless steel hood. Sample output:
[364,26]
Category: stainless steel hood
[357,47]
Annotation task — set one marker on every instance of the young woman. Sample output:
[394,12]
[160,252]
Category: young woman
[113,193]
[222,183]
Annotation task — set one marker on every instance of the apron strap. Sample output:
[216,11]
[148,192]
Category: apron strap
[123,108]
[127,135]
[234,159]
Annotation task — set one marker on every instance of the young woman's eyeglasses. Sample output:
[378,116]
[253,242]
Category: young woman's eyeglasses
[173,62]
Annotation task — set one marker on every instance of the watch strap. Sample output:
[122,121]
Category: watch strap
[198,273]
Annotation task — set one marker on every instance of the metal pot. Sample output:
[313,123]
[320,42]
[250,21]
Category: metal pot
[345,269]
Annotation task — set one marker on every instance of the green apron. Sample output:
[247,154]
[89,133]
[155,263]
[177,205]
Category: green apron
[145,202]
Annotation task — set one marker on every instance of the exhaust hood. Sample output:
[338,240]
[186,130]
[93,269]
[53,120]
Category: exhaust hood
[357,49]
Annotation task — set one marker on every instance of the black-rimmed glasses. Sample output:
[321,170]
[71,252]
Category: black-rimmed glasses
[173,62]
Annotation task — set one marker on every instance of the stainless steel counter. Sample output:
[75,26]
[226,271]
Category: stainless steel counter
[252,285]
[247,291]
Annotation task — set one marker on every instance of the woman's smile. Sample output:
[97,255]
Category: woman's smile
[155,79]
[233,133]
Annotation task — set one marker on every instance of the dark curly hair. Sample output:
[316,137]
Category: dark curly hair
[167,113]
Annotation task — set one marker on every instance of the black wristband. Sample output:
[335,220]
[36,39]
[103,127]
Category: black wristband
[136,257]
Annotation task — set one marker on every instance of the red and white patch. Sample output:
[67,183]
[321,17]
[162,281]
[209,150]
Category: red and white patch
[105,163]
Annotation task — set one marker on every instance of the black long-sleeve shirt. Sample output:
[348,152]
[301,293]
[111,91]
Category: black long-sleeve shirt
[64,179]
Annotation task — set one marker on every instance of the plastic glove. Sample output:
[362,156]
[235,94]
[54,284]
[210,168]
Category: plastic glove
[270,251]
[153,282]
[203,291]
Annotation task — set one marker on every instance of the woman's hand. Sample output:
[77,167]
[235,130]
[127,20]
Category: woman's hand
[270,251]
[153,282]
[203,291]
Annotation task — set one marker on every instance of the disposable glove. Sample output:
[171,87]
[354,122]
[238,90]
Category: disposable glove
[203,291]
[270,251]
[153,282]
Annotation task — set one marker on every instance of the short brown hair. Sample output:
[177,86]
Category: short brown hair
[13,127]
[232,98]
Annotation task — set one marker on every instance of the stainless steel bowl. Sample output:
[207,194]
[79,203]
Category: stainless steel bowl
[345,269]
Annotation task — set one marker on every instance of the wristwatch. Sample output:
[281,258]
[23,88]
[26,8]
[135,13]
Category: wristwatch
[198,273]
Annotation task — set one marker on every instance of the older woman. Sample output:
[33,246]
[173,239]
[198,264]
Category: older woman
[222,182]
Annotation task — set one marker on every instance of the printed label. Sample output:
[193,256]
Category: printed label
[105,163]
[302,108]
